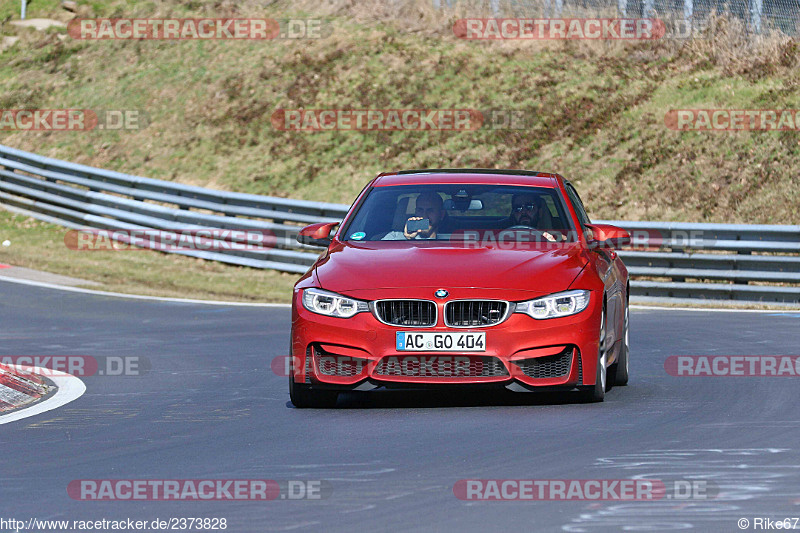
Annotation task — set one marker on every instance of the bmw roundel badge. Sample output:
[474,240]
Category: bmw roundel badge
[441,293]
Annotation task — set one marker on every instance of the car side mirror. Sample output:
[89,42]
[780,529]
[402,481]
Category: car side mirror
[608,236]
[317,234]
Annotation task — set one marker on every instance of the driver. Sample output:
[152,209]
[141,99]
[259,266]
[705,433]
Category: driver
[527,210]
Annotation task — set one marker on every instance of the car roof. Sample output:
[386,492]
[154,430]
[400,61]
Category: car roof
[467,175]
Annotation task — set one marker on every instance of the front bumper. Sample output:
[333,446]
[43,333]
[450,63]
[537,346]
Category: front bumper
[521,353]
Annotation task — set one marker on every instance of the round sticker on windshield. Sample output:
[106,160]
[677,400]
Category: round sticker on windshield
[358,235]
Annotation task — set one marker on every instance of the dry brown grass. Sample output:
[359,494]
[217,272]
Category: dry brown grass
[728,45]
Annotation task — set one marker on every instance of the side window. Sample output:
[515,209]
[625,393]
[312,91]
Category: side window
[550,205]
[577,205]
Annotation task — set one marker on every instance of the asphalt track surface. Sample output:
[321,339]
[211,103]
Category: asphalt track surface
[211,408]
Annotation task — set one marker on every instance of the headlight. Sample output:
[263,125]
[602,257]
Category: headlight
[332,304]
[555,305]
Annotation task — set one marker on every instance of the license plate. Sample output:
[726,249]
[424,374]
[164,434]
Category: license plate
[427,341]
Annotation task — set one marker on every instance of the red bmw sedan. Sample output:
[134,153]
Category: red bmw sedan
[453,278]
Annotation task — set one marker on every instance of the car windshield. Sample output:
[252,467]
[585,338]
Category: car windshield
[449,212]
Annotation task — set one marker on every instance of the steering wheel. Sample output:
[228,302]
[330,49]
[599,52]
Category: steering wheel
[556,237]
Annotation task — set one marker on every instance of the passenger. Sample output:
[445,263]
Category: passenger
[428,205]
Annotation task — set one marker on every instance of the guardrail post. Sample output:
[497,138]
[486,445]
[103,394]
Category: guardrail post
[756,9]
[556,5]
[648,9]
[688,13]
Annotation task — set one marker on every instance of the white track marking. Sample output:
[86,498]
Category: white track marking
[69,388]
[788,311]
[136,296]
[248,304]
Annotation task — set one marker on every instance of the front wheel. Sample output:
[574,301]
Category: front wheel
[620,369]
[303,396]
[598,392]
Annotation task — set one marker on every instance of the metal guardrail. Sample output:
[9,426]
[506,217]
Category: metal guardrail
[79,196]
[667,260]
[739,262]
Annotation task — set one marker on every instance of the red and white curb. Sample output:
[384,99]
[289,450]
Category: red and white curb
[22,385]
[19,388]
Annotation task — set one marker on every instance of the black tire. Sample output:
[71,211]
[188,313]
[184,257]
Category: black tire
[598,392]
[303,396]
[620,369]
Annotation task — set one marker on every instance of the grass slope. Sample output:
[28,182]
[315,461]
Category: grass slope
[595,111]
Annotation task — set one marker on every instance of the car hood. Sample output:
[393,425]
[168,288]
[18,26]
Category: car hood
[352,267]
